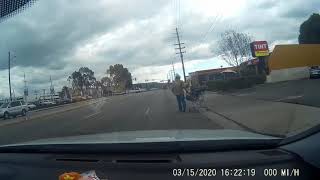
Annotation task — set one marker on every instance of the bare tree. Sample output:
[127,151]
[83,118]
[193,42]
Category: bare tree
[234,47]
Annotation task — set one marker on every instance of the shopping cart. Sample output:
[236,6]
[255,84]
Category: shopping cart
[196,97]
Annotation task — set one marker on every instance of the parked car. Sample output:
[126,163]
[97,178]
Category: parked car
[46,103]
[77,98]
[315,72]
[66,101]
[89,97]
[31,106]
[134,91]
[143,90]
[13,108]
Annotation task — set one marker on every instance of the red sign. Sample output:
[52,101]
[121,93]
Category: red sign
[260,48]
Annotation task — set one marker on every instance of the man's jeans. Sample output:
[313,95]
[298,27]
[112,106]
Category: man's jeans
[181,103]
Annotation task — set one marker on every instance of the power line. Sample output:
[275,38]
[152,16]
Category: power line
[212,26]
[174,11]
[179,14]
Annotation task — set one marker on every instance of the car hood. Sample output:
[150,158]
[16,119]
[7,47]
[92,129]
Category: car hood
[152,136]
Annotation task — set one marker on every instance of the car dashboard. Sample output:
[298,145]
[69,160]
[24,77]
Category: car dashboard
[239,164]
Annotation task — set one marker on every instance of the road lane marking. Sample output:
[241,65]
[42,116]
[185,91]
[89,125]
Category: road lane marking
[147,111]
[244,94]
[91,115]
[147,114]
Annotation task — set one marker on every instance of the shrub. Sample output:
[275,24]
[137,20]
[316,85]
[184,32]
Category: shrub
[238,83]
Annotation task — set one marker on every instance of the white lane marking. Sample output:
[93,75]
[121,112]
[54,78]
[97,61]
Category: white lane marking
[97,107]
[94,114]
[147,111]
[290,97]
[147,114]
[244,94]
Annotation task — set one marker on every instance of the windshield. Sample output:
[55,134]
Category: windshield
[95,67]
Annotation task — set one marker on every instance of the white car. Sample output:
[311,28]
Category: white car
[46,103]
[315,72]
[31,106]
[13,108]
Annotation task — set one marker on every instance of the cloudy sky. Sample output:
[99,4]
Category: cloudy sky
[55,38]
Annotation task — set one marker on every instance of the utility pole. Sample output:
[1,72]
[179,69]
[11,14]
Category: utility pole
[14,94]
[173,77]
[36,93]
[51,89]
[44,94]
[181,53]
[9,59]
[25,88]
[174,72]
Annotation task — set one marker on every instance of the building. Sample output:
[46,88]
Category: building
[202,77]
[291,62]
[255,66]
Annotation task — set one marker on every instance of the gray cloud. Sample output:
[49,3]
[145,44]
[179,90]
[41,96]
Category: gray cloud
[57,37]
[266,4]
[50,30]
[300,9]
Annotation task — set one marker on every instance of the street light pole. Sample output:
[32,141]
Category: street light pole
[9,59]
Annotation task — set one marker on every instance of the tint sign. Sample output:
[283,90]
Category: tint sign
[259,48]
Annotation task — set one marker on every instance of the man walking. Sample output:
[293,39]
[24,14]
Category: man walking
[178,91]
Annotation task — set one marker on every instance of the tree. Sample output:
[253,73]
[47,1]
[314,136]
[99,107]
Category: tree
[65,93]
[310,30]
[84,78]
[88,77]
[77,81]
[106,81]
[120,77]
[234,47]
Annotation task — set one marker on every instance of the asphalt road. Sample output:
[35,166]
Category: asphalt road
[154,110]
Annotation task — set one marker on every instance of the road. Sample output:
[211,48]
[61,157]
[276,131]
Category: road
[153,110]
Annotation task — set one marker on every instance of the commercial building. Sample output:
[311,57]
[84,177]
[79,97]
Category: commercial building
[202,77]
[291,62]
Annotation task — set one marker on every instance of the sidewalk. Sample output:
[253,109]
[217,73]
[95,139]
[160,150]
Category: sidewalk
[267,117]
[304,91]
